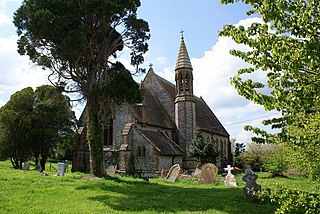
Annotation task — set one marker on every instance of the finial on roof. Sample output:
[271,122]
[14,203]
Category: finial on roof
[182,31]
[150,65]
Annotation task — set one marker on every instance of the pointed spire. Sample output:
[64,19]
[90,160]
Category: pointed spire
[183,60]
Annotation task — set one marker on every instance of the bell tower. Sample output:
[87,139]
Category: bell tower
[185,116]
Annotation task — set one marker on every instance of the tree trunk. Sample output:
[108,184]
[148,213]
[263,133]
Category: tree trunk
[94,138]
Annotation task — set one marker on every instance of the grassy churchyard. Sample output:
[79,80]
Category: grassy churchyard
[28,192]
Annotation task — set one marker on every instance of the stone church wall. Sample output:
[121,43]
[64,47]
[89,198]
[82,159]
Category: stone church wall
[147,159]
[166,162]
[121,117]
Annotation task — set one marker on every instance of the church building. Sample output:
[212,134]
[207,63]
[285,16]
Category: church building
[150,137]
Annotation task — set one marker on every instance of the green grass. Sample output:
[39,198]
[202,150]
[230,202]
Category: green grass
[28,192]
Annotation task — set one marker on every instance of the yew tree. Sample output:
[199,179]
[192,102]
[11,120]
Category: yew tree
[285,46]
[78,40]
[34,123]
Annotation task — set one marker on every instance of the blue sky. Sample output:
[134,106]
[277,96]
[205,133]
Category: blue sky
[213,65]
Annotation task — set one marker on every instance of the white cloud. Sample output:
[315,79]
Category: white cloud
[17,72]
[161,60]
[4,19]
[212,73]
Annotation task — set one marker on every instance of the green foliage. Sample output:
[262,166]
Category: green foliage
[292,201]
[35,122]
[277,161]
[205,151]
[122,87]
[16,118]
[77,41]
[285,47]
[255,156]
[239,148]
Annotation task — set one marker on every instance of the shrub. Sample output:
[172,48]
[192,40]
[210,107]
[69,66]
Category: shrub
[291,201]
[277,161]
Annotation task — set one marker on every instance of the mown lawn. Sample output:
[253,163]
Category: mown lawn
[28,192]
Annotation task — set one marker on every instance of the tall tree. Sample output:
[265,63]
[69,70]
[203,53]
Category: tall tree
[285,46]
[53,121]
[78,40]
[15,123]
[34,122]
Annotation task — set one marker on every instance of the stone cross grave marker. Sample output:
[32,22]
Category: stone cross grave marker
[251,186]
[230,179]
[208,173]
[173,173]
[111,170]
[25,166]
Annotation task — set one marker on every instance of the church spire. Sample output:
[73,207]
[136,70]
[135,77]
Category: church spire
[183,71]
[185,109]
[183,60]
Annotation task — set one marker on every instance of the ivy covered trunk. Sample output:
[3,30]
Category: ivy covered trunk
[95,138]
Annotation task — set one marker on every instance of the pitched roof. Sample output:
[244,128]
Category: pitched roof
[164,144]
[155,113]
[205,118]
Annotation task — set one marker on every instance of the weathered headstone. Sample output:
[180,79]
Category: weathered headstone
[61,169]
[197,172]
[111,170]
[173,173]
[230,179]
[39,158]
[251,186]
[208,173]
[26,165]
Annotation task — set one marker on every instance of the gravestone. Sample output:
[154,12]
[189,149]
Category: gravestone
[111,170]
[39,158]
[251,186]
[197,172]
[230,179]
[25,166]
[208,173]
[173,173]
[61,169]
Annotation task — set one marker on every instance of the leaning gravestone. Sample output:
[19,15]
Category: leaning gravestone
[173,173]
[61,169]
[111,170]
[208,173]
[230,179]
[26,165]
[251,186]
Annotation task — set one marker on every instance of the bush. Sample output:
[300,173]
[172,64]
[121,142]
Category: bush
[291,201]
[277,161]
[254,156]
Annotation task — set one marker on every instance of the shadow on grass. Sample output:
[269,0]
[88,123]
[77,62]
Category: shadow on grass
[140,196]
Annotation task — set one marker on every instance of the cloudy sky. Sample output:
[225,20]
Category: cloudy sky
[212,64]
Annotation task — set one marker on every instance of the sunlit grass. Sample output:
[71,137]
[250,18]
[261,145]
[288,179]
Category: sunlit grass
[28,192]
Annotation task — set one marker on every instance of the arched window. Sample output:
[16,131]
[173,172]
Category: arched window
[139,151]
